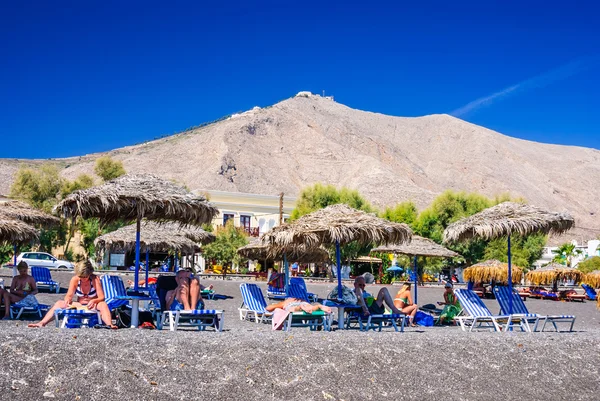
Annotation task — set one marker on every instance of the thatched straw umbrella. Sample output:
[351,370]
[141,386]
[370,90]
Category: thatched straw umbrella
[17,210]
[552,273]
[138,196]
[506,219]
[16,232]
[256,250]
[339,225]
[492,270]
[418,246]
[159,237]
[592,279]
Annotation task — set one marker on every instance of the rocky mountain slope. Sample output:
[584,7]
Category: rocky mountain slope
[308,139]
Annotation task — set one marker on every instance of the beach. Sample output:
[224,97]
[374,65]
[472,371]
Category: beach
[249,361]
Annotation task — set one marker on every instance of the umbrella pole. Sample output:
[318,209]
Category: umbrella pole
[286,271]
[147,265]
[338,259]
[416,278]
[510,285]
[137,254]
[15,255]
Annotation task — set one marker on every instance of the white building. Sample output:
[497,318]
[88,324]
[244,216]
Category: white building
[588,250]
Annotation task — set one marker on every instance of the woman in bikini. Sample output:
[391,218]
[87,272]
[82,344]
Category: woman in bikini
[404,302]
[90,296]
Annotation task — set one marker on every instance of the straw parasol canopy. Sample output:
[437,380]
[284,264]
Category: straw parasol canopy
[137,196]
[506,219]
[418,246]
[592,279]
[553,272]
[17,210]
[16,232]
[492,270]
[193,233]
[153,237]
[260,251]
[337,224]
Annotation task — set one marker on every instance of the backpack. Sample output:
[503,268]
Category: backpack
[348,296]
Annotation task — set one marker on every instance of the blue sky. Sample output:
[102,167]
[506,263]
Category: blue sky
[79,77]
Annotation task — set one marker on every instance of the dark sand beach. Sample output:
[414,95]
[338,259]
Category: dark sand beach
[248,361]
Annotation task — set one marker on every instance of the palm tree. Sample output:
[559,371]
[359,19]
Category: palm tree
[565,253]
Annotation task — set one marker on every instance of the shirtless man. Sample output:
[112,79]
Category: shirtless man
[372,305]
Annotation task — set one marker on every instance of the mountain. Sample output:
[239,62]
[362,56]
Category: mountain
[309,139]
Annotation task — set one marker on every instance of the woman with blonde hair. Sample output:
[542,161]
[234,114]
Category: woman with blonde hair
[90,296]
[404,302]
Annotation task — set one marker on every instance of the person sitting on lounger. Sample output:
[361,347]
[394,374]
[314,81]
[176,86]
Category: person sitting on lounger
[187,295]
[22,286]
[404,302]
[368,303]
[298,305]
[86,286]
[452,306]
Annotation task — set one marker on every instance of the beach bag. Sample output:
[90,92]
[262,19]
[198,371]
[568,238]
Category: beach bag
[123,318]
[30,301]
[423,319]
[348,296]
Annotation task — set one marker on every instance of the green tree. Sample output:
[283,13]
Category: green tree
[589,265]
[83,181]
[565,253]
[108,169]
[320,196]
[405,212]
[524,250]
[38,187]
[224,249]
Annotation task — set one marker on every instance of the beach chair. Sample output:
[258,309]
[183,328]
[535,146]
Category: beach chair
[301,283]
[75,318]
[113,288]
[276,286]
[302,319]
[375,322]
[17,310]
[199,318]
[477,315]
[519,307]
[254,305]
[590,293]
[43,279]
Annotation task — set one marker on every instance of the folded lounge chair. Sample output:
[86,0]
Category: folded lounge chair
[254,305]
[503,296]
[43,279]
[590,293]
[477,315]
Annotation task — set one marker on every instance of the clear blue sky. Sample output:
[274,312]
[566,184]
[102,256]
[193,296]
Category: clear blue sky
[79,77]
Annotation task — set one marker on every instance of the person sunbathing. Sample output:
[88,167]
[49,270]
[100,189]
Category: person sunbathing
[21,287]
[297,305]
[404,302]
[187,295]
[86,286]
[368,303]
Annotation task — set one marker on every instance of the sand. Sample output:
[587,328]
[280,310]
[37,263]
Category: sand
[248,361]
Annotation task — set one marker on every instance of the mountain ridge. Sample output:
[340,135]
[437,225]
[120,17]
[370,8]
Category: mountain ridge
[307,139]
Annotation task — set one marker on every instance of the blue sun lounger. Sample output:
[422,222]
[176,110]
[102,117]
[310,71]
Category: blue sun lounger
[17,310]
[254,305]
[477,315]
[43,279]
[590,293]
[301,283]
[518,307]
